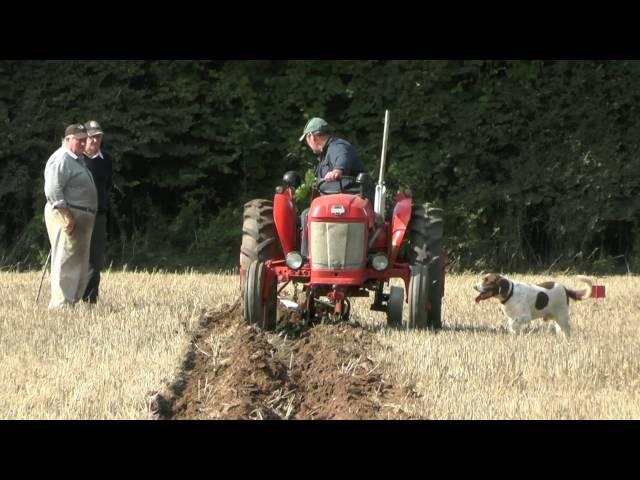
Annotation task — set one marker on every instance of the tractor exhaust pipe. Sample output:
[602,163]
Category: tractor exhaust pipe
[381,190]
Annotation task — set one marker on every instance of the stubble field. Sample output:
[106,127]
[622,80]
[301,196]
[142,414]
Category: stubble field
[173,346]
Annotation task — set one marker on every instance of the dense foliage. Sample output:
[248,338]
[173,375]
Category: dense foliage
[535,162]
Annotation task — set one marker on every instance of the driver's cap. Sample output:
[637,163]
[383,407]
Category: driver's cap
[316,124]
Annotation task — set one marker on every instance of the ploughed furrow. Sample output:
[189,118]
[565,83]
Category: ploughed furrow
[236,371]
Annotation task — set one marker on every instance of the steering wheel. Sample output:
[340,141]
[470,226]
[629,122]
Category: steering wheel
[326,183]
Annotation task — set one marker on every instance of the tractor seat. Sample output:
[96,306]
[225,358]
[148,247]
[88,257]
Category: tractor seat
[332,188]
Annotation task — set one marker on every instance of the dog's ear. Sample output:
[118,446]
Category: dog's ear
[489,279]
[503,286]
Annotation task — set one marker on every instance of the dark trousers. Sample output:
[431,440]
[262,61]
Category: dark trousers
[96,258]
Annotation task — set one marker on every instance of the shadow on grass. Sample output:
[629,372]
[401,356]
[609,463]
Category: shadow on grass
[499,329]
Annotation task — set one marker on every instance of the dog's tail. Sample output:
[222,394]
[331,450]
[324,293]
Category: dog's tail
[580,294]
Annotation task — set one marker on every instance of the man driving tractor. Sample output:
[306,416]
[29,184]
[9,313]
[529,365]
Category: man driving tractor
[336,157]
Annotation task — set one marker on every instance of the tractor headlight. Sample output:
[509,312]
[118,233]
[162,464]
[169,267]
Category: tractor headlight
[379,262]
[294,260]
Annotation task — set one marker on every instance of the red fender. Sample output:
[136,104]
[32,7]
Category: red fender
[399,224]
[284,216]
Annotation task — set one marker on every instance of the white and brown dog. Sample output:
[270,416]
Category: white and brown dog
[522,302]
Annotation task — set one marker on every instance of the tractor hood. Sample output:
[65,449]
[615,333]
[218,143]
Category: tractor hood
[342,207]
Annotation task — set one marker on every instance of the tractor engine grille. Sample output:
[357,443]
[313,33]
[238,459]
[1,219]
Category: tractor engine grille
[337,246]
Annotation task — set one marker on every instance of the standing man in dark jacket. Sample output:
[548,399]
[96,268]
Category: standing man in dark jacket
[101,166]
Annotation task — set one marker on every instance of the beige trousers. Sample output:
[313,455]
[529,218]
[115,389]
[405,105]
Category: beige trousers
[69,256]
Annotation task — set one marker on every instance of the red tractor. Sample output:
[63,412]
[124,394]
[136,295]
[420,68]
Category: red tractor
[354,249]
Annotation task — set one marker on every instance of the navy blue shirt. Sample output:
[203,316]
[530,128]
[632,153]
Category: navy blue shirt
[338,153]
[102,170]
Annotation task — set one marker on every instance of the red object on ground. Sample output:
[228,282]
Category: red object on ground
[598,291]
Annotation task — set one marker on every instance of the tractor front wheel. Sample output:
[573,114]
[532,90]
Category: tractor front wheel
[436,269]
[418,297]
[394,307]
[259,310]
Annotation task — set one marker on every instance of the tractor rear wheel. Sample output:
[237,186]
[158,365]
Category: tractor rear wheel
[259,239]
[418,297]
[394,307]
[425,242]
[257,310]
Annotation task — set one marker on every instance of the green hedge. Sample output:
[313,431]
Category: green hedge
[535,162]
